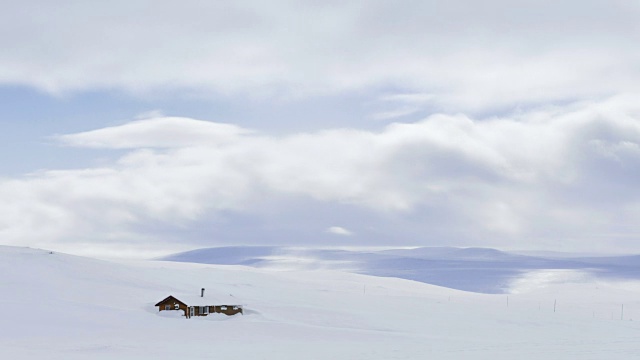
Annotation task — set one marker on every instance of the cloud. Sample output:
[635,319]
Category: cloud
[337,230]
[161,132]
[466,55]
[549,178]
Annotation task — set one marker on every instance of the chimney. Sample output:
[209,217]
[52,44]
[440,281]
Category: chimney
[202,292]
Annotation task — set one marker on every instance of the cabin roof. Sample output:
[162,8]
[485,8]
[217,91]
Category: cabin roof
[170,297]
[206,300]
[196,300]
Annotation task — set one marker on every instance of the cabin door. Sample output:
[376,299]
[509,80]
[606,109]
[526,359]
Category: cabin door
[191,311]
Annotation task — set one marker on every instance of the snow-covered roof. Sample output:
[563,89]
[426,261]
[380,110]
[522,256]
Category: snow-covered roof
[213,299]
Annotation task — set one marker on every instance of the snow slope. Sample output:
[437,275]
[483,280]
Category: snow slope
[60,306]
[472,269]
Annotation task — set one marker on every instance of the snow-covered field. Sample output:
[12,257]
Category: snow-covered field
[59,306]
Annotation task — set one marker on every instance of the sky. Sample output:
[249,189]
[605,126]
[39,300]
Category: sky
[139,128]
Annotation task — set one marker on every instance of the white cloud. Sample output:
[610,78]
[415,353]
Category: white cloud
[467,55]
[560,174]
[402,105]
[164,132]
[338,230]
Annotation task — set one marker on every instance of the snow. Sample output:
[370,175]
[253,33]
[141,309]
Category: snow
[208,299]
[59,306]
[472,269]
[176,314]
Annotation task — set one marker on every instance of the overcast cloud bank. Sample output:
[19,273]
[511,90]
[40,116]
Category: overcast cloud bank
[462,55]
[565,173]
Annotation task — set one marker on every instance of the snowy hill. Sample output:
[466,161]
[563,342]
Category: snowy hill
[60,306]
[471,269]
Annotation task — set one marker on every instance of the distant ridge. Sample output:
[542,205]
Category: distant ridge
[482,270]
[230,255]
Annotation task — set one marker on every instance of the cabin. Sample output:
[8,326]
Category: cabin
[199,306]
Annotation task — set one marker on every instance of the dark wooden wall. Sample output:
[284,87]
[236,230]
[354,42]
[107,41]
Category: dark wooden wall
[172,302]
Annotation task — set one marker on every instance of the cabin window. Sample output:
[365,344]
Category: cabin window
[167,307]
[223,308]
[204,310]
[235,308]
